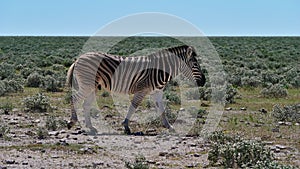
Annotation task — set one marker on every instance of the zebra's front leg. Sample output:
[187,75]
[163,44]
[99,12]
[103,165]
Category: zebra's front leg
[158,99]
[136,101]
[87,105]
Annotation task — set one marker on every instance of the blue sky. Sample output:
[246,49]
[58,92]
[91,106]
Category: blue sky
[212,17]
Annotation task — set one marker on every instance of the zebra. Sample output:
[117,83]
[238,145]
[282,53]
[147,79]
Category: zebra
[139,76]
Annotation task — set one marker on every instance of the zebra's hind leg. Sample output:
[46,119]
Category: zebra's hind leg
[158,99]
[136,101]
[74,117]
[87,105]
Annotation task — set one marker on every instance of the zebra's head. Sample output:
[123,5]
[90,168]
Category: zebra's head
[191,69]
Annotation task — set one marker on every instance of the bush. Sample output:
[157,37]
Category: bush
[233,152]
[37,103]
[6,70]
[226,93]
[4,130]
[289,113]
[50,84]
[2,88]
[53,124]
[250,81]
[6,107]
[140,163]
[192,94]
[13,86]
[172,97]
[34,80]
[272,91]
[42,133]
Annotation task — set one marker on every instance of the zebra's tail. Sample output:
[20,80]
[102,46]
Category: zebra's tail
[69,81]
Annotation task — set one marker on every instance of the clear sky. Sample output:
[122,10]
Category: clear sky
[212,17]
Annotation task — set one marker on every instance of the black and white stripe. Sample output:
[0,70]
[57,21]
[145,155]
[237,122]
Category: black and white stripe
[132,75]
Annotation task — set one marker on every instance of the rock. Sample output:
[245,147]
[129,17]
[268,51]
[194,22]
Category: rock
[228,109]
[196,155]
[151,162]
[163,153]
[25,163]
[95,164]
[77,132]
[204,105]
[13,122]
[281,147]
[257,125]
[288,123]
[263,110]
[297,124]
[276,129]
[30,133]
[54,156]
[182,109]
[243,108]
[37,121]
[281,123]
[9,161]
[53,133]
[87,150]
[62,131]
[193,145]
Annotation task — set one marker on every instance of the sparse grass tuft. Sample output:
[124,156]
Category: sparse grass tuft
[139,163]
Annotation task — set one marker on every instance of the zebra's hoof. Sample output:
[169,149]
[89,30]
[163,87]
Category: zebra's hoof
[92,131]
[70,124]
[172,130]
[127,130]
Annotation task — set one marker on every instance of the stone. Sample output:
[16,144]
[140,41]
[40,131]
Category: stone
[24,163]
[9,161]
[13,122]
[276,129]
[37,121]
[297,124]
[243,108]
[263,110]
[228,109]
[281,147]
[288,123]
[196,155]
[163,153]
[182,109]
[281,123]
[53,133]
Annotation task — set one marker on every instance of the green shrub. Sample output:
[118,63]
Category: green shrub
[6,70]
[139,163]
[37,103]
[192,94]
[54,124]
[250,81]
[274,91]
[13,86]
[58,67]
[42,133]
[290,113]
[172,97]
[2,88]
[4,130]
[6,107]
[34,80]
[233,152]
[50,84]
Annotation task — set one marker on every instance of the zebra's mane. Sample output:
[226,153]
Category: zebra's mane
[177,51]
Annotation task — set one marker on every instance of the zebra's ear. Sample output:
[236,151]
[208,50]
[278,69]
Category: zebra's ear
[190,52]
